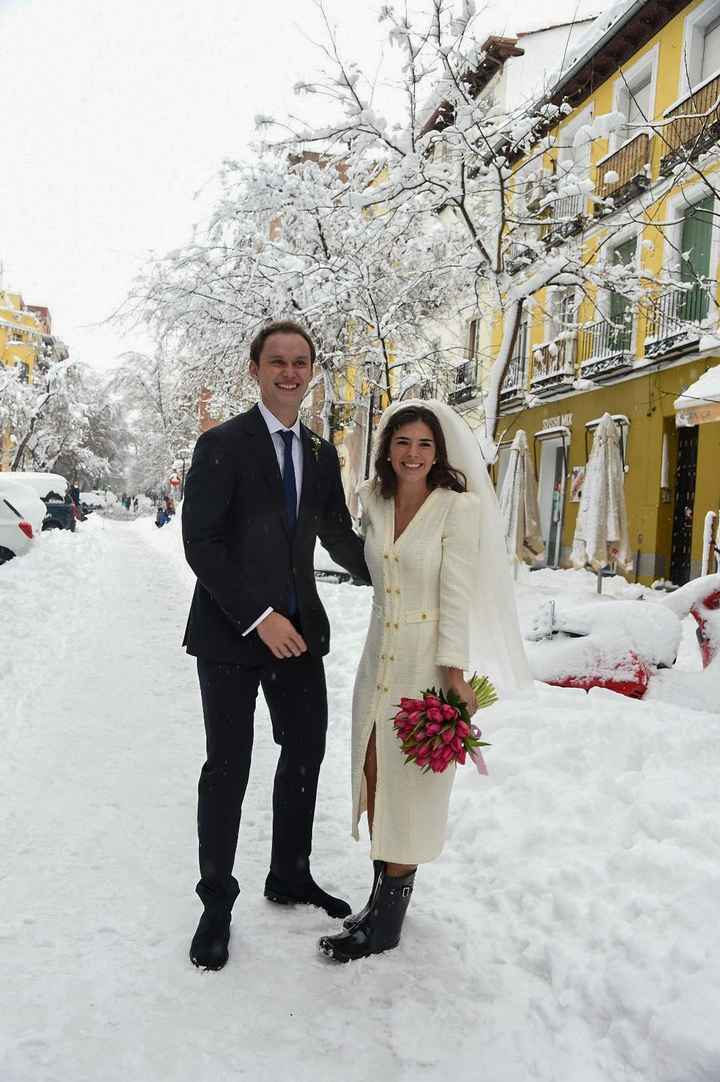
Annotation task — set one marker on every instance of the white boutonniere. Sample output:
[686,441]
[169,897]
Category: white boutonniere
[316,444]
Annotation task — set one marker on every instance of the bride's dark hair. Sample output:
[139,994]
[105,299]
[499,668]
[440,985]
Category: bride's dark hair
[442,474]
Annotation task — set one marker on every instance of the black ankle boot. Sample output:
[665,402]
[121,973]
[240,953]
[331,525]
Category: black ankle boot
[380,929]
[355,918]
[209,947]
[307,893]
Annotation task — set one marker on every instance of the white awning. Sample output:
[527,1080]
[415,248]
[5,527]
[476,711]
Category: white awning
[700,403]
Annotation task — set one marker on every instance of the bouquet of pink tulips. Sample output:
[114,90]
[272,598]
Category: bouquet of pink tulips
[435,730]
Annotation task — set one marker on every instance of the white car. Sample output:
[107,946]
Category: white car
[46,485]
[21,518]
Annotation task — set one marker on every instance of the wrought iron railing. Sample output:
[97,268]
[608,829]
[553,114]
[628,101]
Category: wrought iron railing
[569,206]
[553,361]
[518,255]
[465,383]
[694,124]
[564,217]
[674,318]
[603,339]
[628,164]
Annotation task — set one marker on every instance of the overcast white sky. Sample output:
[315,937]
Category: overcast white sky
[116,114]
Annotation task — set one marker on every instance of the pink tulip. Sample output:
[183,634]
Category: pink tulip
[448,712]
[432,700]
[434,714]
[447,735]
[462,728]
[433,727]
[462,756]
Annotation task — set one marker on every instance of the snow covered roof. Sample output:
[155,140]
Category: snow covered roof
[530,16]
[627,24]
[541,28]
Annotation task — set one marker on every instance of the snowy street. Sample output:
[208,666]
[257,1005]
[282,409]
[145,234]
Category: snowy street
[569,933]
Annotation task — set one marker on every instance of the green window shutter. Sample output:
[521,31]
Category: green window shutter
[696,240]
[621,336]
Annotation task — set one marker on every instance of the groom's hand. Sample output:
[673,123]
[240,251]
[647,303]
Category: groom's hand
[281,637]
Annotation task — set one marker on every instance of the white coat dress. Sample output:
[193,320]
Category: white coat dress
[419,626]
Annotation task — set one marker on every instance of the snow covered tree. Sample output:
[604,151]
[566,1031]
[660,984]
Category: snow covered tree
[295,240]
[510,184]
[50,420]
[160,413]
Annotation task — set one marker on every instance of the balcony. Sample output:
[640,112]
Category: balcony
[466,383]
[512,388]
[462,394]
[553,368]
[694,125]
[626,171]
[426,389]
[604,350]
[674,321]
[566,219]
[519,256]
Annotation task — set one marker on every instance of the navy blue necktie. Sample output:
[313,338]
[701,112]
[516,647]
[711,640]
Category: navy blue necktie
[290,491]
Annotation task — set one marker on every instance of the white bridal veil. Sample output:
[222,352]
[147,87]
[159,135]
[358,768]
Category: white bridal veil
[496,648]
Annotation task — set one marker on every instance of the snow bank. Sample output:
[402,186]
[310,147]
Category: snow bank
[569,932]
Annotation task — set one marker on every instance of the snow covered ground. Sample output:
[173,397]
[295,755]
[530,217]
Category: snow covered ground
[569,933]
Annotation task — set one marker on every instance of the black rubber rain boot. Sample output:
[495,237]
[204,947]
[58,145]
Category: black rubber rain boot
[354,918]
[378,931]
[209,947]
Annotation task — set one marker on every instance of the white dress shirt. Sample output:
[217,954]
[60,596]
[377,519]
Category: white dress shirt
[274,428]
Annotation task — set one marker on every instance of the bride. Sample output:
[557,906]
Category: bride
[443,605]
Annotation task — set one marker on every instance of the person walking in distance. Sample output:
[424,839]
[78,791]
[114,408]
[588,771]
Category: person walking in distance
[261,488]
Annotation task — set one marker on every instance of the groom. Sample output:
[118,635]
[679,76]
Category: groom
[261,488]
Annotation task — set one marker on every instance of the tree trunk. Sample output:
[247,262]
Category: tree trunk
[513,315]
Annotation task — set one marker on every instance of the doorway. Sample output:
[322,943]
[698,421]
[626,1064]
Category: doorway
[551,496]
[682,528]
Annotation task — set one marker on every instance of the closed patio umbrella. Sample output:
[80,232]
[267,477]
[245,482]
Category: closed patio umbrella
[601,532]
[519,505]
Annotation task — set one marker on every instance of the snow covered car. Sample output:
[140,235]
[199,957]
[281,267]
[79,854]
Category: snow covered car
[700,598]
[21,516]
[52,488]
[617,645]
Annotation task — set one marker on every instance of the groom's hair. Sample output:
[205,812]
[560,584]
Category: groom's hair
[279,326]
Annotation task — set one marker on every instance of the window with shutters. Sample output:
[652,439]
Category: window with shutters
[695,244]
[465,373]
[619,306]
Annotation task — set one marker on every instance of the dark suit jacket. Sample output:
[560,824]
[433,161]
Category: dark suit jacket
[239,545]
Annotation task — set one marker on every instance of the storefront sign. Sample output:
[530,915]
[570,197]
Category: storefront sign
[563,420]
[697,415]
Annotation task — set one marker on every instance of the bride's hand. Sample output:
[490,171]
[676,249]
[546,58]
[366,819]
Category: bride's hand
[457,683]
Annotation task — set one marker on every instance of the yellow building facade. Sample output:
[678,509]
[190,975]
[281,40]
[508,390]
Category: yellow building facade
[21,335]
[658,66]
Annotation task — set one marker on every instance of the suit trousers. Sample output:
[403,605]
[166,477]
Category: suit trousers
[295,692]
